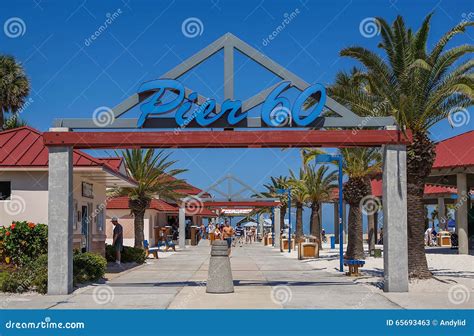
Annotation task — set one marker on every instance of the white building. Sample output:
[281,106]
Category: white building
[24,186]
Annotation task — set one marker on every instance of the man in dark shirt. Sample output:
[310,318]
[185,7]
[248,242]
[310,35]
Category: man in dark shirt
[239,233]
[118,239]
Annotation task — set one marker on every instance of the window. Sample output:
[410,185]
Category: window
[87,190]
[100,218]
[5,190]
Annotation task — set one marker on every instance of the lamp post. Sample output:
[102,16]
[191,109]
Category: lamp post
[330,158]
[282,191]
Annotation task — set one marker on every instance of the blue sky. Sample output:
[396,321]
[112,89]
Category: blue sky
[72,77]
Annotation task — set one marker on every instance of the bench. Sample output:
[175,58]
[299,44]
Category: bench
[150,250]
[353,266]
[167,244]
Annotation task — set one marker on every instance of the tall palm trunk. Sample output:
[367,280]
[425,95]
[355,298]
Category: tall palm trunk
[371,231]
[282,217]
[355,244]
[315,221]
[371,235]
[420,158]
[299,222]
[138,208]
[354,191]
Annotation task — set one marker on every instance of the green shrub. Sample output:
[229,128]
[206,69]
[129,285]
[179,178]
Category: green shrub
[3,279]
[23,242]
[40,267]
[129,254]
[19,281]
[88,266]
[32,276]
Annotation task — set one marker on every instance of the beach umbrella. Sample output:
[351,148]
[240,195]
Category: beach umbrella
[250,224]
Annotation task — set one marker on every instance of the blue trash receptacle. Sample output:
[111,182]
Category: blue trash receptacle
[333,242]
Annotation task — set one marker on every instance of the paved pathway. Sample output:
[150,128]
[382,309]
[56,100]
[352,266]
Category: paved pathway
[263,277]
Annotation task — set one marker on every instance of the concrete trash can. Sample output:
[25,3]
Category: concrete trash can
[219,279]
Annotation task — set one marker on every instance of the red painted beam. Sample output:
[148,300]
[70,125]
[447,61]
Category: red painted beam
[237,205]
[227,139]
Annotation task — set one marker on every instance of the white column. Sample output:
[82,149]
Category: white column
[461,212]
[443,221]
[395,249]
[182,227]
[60,220]
[260,223]
[277,227]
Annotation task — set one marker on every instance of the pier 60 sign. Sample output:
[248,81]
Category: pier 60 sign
[276,110]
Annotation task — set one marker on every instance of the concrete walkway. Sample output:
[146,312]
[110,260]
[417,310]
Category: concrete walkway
[263,277]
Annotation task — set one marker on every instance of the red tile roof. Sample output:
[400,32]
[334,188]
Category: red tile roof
[376,185]
[24,148]
[156,204]
[115,162]
[457,151]
[189,189]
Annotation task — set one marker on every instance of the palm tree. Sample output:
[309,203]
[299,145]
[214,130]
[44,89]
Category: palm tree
[319,185]
[419,88]
[273,191]
[360,164]
[299,195]
[14,87]
[154,176]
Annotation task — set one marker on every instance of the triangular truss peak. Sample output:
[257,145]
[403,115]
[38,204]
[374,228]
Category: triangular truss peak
[229,189]
[229,43]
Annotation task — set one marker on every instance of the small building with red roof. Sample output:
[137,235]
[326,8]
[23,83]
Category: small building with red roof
[160,214]
[24,186]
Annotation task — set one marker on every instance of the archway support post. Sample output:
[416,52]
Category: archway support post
[395,244]
[182,227]
[60,219]
[277,227]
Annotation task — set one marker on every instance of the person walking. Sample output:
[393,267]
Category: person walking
[239,232]
[210,232]
[227,234]
[117,241]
